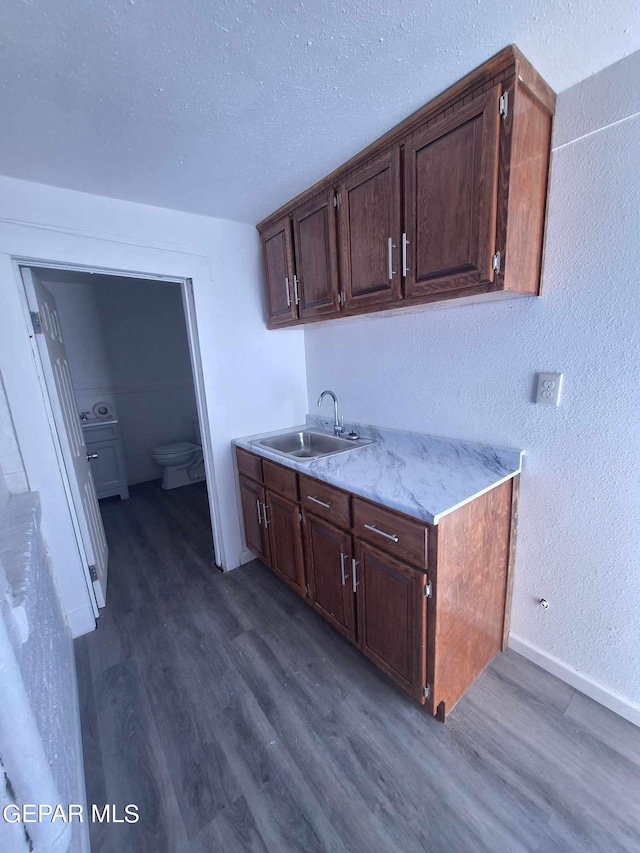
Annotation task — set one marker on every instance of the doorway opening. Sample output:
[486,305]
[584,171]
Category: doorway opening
[120,366]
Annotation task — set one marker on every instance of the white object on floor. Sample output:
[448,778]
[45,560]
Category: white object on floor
[182,463]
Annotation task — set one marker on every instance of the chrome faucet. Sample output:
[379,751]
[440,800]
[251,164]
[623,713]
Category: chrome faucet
[338,426]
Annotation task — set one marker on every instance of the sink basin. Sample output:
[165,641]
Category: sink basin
[306,444]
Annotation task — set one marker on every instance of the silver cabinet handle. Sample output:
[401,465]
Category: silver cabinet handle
[374,529]
[405,243]
[319,502]
[296,292]
[343,557]
[267,521]
[286,287]
[354,574]
[258,504]
[390,248]
[92,456]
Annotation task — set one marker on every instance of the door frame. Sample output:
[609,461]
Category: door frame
[188,304]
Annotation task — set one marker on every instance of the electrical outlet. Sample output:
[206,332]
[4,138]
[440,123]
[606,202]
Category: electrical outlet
[549,387]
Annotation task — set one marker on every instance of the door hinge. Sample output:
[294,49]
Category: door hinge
[496,262]
[336,200]
[301,516]
[503,104]
[307,589]
[341,298]
[428,590]
[93,573]
[36,322]
[426,692]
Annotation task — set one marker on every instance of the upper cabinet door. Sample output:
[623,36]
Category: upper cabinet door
[314,231]
[277,254]
[369,228]
[451,180]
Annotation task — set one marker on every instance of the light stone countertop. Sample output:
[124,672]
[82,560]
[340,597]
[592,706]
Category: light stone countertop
[423,476]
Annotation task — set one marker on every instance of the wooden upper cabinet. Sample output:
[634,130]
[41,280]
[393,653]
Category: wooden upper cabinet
[450,203]
[392,617]
[451,184]
[369,232]
[277,255]
[314,231]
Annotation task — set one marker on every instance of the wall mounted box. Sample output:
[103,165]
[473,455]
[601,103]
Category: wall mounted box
[450,203]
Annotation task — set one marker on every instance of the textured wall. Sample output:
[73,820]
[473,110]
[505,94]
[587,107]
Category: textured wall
[469,372]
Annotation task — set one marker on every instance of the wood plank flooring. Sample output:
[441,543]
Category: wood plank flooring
[238,720]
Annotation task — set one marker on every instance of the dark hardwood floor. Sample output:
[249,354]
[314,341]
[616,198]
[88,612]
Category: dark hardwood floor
[238,720]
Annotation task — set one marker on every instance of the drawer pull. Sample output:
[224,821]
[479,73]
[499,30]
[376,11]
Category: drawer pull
[267,521]
[354,574]
[374,529]
[319,502]
[91,456]
[259,512]
[343,557]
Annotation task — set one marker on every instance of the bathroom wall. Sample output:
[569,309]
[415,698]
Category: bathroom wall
[469,372]
[127,344]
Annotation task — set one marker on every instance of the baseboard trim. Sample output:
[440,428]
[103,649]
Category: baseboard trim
[613,701]
[246,557]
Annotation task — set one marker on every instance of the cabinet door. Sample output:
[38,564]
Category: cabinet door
[252,498]
[314,232]
[369,229]
[328,562]
[277,255]
[392,617]
[451,180]
[285,538]
[106,470]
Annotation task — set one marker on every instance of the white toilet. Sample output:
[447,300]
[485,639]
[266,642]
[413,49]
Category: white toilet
[182,463]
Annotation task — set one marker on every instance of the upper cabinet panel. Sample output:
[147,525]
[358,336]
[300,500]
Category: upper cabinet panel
[314,230]
[277,254]
[369,229]
[450,203]
[451,180]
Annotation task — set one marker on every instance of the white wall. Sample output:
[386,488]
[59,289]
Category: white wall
[14,480]
[468,372]
[127,344]
[254,379]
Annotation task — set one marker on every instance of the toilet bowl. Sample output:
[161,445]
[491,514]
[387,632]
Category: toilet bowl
[181,463]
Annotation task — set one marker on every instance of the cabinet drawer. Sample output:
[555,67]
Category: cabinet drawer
[404,537]
[249,465]
[282,481]
[325,501]
[93,434]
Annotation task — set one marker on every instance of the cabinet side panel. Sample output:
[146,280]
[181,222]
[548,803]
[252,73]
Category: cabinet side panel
[473,552]
[528,180]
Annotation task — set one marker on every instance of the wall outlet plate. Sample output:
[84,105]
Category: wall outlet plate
[549,388]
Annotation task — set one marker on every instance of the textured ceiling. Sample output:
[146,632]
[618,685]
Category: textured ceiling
[230,108]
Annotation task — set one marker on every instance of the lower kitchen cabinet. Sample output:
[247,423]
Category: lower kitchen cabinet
[392,617]
[329,574]
[282,518]
[427,604]
[252,497]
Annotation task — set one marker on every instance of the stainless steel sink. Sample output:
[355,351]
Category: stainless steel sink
[307,444]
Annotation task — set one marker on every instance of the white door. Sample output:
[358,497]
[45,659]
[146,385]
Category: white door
[67,420]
